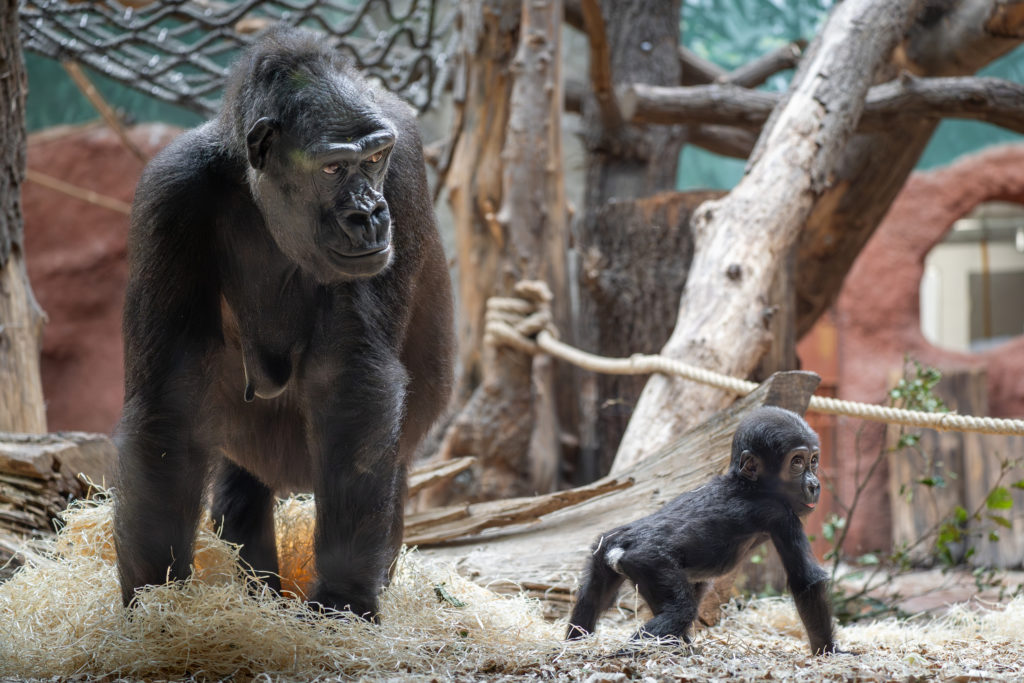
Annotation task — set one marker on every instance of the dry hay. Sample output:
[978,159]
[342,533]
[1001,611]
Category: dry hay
[63,619]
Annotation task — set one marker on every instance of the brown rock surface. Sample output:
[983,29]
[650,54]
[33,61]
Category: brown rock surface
[76,263]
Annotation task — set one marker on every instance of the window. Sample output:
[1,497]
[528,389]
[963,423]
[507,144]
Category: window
[972,291]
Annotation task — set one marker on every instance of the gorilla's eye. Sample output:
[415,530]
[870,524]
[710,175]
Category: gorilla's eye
[375,157]
[331,169]
[797,461]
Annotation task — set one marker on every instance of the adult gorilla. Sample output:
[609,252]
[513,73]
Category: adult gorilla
[287,325]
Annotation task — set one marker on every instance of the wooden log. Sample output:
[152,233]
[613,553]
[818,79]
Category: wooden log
[433,473]
[41,473]
[544,557]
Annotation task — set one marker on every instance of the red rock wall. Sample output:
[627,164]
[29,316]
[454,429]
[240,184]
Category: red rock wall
[76,263]
[878,320]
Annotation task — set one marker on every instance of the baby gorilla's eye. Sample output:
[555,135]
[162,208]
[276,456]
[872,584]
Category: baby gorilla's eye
[331,169]
[797,461]
[375,157]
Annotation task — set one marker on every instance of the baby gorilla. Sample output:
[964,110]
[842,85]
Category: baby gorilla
[673,554]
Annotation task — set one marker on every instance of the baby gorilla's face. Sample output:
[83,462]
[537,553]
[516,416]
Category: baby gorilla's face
[798,477]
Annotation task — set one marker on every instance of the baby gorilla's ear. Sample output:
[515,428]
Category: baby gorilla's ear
[751,466]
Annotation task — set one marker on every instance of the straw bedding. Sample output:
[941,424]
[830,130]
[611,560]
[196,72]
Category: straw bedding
[63,619]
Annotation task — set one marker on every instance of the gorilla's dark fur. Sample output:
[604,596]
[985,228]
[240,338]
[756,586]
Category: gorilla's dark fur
[287,325]
[673,554]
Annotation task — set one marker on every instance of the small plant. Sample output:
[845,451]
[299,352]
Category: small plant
[950,538]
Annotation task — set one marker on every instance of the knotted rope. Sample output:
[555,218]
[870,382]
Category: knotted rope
[525,323]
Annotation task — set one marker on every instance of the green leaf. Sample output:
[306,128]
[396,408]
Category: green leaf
[993,536]
[1018,484]
[1001,521]
[999,499]
[960,515]
[868,559]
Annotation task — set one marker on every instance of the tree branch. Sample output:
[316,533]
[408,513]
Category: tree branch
[696,70]
[757,71]
[601,66]
[992,100]
[947,39]
[699,71]
[728,141]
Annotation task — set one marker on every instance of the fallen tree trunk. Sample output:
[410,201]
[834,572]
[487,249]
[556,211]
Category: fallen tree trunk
[545,554]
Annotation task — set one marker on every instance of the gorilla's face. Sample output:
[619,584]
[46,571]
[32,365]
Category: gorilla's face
[321,194]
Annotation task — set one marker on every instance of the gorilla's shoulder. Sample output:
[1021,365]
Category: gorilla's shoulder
[186,167]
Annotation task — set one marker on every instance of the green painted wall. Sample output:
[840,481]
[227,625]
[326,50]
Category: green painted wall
[54,99]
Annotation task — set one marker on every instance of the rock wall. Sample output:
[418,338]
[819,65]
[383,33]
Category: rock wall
[76,264]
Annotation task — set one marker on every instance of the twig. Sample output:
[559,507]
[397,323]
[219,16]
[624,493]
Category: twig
[105,110]
[78,192]
[601,66]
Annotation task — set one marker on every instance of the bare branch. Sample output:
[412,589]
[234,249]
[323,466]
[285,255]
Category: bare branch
[764,216]
[728,105]
[104,109]
[601,66]
[756,72]
[993,100]
[952,38]
[697,70]
[725,140]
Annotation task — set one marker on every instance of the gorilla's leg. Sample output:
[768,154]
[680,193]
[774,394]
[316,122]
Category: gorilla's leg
[160,482]
[600,586]
[243,510]
[360,484]
[666,589]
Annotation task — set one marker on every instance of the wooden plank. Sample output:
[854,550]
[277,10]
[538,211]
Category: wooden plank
[435,473]
[984,456]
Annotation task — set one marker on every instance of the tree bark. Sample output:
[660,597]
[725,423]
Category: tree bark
[21,319]
[741,239]
[633,272]
[488,40]
[948,39]
[510,422]
[623,162]
[888,105]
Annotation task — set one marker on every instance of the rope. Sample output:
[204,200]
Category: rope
[525,324]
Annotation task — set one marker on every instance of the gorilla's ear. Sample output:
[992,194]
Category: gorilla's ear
[750,465]
[258,140]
